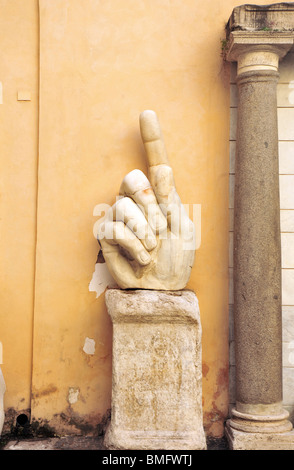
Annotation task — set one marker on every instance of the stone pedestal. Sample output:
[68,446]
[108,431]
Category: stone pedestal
[258,419]
[2,392]
[157,371]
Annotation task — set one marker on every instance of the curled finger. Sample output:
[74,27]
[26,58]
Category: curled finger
[117,233]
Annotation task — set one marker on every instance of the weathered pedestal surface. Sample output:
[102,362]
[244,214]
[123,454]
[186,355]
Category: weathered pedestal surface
[157,370]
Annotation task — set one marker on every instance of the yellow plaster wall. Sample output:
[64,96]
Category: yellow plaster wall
[18,192]
[101,63]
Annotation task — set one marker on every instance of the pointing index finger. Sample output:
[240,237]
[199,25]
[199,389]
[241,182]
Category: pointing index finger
[153,139]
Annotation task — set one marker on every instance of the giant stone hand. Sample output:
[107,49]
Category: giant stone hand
[147,238]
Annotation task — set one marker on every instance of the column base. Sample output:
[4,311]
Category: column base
[268,431]
[239,440]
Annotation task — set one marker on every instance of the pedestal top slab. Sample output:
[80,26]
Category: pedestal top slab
[139,305]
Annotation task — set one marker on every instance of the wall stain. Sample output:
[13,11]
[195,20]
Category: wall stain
[223,377]
[69,422]
[11,427]
[44,392]
[93,424]
[205,369]
[214,418]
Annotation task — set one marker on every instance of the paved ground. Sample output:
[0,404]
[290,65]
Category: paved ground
[56,443]
[76,443]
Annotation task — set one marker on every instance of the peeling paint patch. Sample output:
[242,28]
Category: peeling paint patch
[73,395]
[101,279]
[89,346]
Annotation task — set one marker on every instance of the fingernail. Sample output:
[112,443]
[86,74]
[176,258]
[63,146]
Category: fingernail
[150,243]
[158,223]
[144,257]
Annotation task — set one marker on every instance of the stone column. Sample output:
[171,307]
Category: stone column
[157,371]
[258,419]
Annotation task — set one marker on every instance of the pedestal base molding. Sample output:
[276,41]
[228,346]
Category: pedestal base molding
[157,440]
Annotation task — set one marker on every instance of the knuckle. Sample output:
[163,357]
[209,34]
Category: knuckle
[133,182]
[123,204]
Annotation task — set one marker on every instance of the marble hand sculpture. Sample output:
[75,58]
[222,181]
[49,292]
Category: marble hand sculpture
[147,238]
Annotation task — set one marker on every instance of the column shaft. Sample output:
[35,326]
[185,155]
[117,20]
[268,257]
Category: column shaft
[257,259]
[257,263]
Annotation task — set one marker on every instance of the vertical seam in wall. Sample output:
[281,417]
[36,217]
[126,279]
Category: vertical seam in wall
[232,138]
[37,198]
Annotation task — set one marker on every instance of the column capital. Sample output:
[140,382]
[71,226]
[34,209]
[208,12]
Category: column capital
[258,49]
[258,36]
